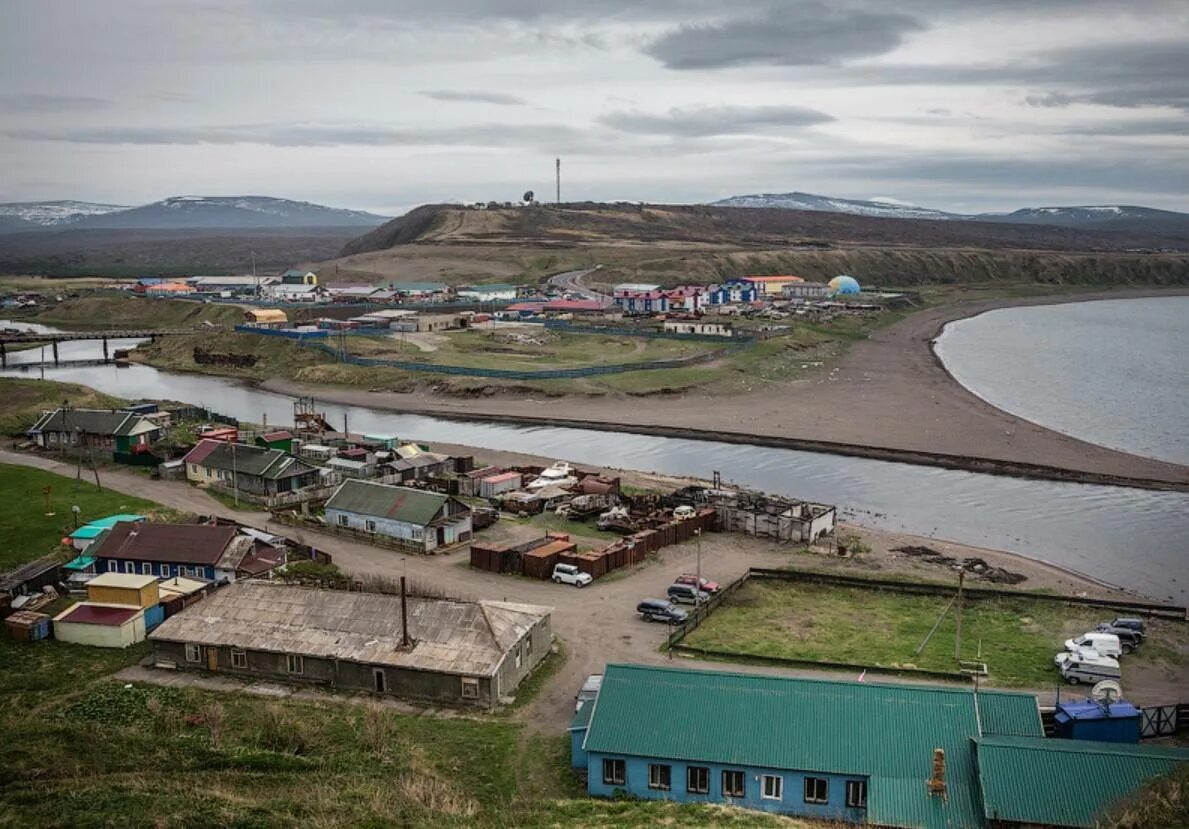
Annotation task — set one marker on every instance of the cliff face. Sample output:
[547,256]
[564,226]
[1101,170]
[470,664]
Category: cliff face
[400,231]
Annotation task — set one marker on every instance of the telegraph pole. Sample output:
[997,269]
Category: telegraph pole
[559,181]
[958,634]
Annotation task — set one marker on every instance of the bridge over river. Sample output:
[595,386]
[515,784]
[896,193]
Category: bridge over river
[11,337]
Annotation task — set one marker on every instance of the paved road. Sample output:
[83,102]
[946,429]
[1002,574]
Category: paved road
[597,623]
[571,283]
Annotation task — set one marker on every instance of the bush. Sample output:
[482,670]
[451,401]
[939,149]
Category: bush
[279,730]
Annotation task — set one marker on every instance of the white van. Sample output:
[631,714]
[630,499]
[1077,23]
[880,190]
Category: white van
[1086,666]
[1107,644]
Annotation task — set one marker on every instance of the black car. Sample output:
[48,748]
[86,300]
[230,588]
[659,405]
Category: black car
[1130,622]
[659,610]
[687,593]
[1129,638]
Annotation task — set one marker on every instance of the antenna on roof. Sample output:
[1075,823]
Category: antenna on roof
[1106,692]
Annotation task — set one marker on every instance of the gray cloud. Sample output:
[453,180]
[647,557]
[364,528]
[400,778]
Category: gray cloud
[709,121]
[37,102]
[802,35]
[474,96]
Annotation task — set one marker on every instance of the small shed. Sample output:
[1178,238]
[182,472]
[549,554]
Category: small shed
[280,439]
[495,485]
[266,317]
[1118,722]
[79,570]
[101,626]
[27,626]
[31,578]
[128,589]
[538,563]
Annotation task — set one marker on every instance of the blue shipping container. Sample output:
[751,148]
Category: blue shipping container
[1088,720]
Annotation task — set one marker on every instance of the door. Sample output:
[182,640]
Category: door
[380,682]
[441,536]
[212,659]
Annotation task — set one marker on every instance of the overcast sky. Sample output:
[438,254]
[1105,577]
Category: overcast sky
[385,104]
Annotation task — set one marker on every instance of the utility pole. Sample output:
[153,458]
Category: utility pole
[559,181]
[234,476]
[958,633]
[698,575]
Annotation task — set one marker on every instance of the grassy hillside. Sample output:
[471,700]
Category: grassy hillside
[112,310]
[25,400]
[274,356]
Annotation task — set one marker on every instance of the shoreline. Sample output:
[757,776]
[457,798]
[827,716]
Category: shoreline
[891,386]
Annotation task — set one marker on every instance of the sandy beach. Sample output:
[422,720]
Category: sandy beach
[888,397]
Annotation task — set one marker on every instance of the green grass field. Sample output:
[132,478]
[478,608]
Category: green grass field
[78,749]
[27,533]
[1016,637]
[25,400]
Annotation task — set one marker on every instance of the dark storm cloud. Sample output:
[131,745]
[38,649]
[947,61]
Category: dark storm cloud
[474,96]
[36,102]
[721,120]
[801,35]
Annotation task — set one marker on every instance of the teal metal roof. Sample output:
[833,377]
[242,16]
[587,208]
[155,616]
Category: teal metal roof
[79,563]
[88,531]
[1064,782]
[885,732]
[92,529]
[1009,714]
[582,716]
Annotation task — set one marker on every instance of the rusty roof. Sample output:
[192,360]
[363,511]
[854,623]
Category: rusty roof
[465,638]
[168,543]
[86,613]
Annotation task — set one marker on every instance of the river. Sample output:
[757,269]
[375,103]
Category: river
[1129,537]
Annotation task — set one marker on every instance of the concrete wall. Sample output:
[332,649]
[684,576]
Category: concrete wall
[792,801]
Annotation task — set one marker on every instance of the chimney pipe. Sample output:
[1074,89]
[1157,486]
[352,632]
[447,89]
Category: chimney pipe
[404,615]
[937,781]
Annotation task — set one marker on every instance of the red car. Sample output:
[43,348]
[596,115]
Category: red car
[691,579]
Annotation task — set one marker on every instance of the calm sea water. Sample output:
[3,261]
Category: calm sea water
[1113,372]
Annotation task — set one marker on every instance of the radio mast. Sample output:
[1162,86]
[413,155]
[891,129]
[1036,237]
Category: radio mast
[559,181]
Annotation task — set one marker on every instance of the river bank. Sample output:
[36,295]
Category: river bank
[889,397]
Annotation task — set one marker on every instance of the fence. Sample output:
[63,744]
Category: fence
[1163,720]
[281,499]
[199,413]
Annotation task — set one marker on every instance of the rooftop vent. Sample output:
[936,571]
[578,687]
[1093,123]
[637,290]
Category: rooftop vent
[937,781]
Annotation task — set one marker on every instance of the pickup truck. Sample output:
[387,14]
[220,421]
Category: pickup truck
[569,574]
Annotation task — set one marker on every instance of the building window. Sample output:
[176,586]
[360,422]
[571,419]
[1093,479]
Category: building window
[516,653]
[294,664]
[113,566]
[528,644]
[697,779]
[129,567]
[856,794]
[194,469]
[614,772]
[369,525]
[239,659]
[658,776]
[146,568]
[343,520]
[817,790]
[772,788]
[165,570]
[470,688]
[733,783]
[417,533]
[193,652]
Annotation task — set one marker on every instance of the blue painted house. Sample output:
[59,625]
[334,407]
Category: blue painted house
[642,302]
[197,551]
[847,751]
[419,520]
[733,290]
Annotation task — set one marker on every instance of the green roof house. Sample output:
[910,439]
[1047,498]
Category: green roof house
[253,470]
[118,432]
[411,518]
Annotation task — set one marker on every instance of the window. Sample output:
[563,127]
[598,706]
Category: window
[239,659]
[379,680]
[733,783]
[146,568]
[294,664]
[817,790]
[772,787]
[113,567]
[129,567]
[856,794]
[614,772]
[658,776]
[470,688]
[516,653]
[194,469]
[342,520]
[697,779]
[369,525]
[165,570]
[528,644]
[193,652]
[183,570]
[417,533]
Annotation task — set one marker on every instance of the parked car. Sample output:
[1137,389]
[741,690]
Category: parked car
[684,511]
[1129,622]
[569,574]
[686,593]
[590,690]
[1106,644]
[1086,666]
[1129,639]
[659,610]
[691,579]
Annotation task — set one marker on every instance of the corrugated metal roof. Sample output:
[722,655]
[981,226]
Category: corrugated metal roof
[16,577]
[582,715]
[400,503]
[469,638]
[884,732]
[246,459]
[94,422]
[1064,782]
[86,613]
[1009,714]
[169,543]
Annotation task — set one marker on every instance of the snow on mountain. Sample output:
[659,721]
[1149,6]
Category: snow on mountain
[54,213]
[883,207]
[231,212]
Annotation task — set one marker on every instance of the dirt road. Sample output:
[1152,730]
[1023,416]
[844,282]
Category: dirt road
[597,624]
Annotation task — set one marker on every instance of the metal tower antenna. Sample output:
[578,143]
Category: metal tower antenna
[559,181]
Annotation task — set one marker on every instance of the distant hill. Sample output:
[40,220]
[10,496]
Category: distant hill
[808,201]
[1128,218]
[31,215]
[183,213]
